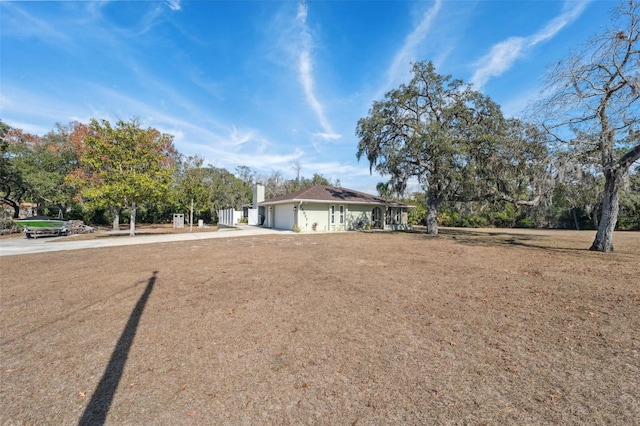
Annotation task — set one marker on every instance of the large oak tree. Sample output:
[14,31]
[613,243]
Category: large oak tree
[33,168]
[438,130]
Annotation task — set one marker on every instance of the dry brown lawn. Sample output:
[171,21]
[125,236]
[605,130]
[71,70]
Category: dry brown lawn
[472,327]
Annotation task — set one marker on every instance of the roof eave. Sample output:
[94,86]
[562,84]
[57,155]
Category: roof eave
[302,200]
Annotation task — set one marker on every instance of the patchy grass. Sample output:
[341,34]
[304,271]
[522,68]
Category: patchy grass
[473,326]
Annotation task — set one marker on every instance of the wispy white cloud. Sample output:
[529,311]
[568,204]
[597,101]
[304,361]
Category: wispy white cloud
[407,54]
[16,21]
[571,11]
[503,55]
[148,22]
[174,5]
[16,103]
[499,59]
[225,144]
[335,169]
[150,16]
[221,144]
[327,136]
[306,77]
[266,162]
[238,137]
[350,175]
[202,128]
[206,83]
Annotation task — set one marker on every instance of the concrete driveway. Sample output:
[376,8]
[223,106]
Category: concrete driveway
[15,246]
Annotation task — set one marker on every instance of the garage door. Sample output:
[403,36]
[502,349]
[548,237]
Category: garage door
[284,216]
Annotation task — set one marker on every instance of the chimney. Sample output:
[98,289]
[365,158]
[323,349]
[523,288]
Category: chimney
[258,195]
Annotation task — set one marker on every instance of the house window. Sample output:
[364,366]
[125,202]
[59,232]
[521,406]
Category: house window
[333,214]
[341,215]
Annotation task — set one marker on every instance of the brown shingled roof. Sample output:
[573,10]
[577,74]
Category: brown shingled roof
[322,193]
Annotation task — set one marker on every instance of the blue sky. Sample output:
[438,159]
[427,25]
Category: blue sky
[266,83]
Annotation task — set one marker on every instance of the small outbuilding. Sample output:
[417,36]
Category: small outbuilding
[327,209]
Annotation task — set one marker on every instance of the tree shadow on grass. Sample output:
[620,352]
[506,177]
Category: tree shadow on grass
[507,239]
[96,411]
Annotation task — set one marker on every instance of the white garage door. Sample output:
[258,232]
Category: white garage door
[284,216]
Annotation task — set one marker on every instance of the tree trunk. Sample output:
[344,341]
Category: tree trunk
[116,218]
[15,205]
[609,218]
[433,201]
[594,216]
[132,220]
[575,218]
[191,217]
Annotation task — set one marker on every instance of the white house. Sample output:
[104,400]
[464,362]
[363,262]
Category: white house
[327,208]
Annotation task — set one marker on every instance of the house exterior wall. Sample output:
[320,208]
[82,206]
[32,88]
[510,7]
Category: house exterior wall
[310,213]
[358,216]
[320,213]
[306,214]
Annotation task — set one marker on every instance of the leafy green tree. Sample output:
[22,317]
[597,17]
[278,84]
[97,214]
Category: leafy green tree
[53,159]
[246,175]
[417,215]
[393,189]
[511,178]
[36,167]
[594,107]
[124,165]
[190,190]
[227,191]
[12,186]
[432,129]
[517,170]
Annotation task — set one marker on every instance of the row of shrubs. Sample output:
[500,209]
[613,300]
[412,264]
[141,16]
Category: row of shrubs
[8,226]
[499,220]
[560,218]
